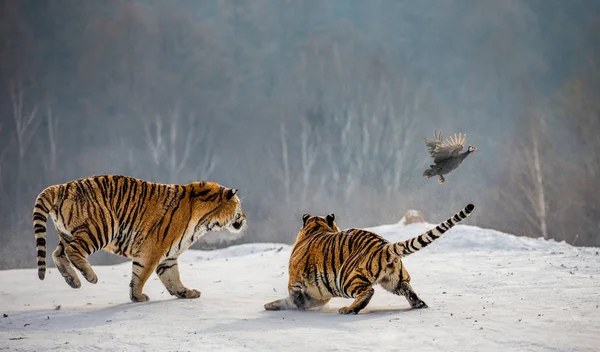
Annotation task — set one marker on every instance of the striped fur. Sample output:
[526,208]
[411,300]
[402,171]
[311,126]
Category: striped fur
[150,223]
[326,262]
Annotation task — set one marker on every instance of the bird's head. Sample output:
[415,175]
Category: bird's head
[471,149]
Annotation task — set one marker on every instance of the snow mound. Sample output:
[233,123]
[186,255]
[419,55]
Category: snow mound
[465,237]
[459,238]
[240,250]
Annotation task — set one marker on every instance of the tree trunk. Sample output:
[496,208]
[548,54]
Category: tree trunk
[539,183]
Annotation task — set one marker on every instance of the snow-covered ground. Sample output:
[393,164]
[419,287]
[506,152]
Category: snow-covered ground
[487,291]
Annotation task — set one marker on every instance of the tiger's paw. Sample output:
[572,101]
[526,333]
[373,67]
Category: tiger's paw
[419,304]
[73,281]
[141,298]
[347,310]
[273,305]
[91,277]
[188,293]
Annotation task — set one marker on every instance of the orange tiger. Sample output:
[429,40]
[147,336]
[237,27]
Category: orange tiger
[327,262]
[150,223]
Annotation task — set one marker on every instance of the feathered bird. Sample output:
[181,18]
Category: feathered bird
[446,154]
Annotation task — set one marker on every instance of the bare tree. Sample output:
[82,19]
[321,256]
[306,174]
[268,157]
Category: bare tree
[528,174]
[579,105]
[308,152]
[172,141]
[25,127]
[285,164]
[53,129]
[25,121]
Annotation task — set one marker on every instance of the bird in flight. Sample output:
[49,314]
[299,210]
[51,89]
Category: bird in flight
[446,154]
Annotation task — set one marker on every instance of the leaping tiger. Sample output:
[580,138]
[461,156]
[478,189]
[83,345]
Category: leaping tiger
[327,262]
[150,223]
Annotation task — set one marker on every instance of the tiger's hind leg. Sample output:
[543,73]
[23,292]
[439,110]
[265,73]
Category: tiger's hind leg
[82,245]
[64,265]
[281,304]
[404,289]
[398,283]
[298,299]
[168,272]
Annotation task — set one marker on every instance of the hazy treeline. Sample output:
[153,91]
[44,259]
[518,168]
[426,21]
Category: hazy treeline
[307,106]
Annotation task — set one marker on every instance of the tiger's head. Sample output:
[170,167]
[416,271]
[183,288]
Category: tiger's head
[217,207]
[316,224]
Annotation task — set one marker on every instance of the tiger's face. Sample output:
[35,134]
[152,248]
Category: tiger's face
[314,224]
[223,205]
[238,223]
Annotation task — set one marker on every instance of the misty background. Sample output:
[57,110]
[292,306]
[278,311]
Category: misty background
[307,106]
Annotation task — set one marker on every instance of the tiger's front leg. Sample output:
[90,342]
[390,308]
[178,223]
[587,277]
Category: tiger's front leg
[140,272]
[168,272]
[360,302]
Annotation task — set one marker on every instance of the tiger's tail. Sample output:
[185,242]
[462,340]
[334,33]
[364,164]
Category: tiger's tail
[423,240]
[43,205]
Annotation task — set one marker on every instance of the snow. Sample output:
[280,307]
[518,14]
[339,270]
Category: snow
[486,291]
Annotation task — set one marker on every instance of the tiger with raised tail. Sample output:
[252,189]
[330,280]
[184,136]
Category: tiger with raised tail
[150,223]
[327,262]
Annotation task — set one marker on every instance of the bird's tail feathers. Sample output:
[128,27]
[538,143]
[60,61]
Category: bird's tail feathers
[429,172]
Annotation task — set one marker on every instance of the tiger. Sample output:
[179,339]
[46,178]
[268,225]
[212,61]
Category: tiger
[326,262]
[149,223]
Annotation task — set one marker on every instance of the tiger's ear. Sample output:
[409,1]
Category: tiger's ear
[304,218]
[330,218]
[230,192]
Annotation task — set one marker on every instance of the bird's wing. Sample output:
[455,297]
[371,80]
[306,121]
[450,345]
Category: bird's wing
[451,147]
[432,145]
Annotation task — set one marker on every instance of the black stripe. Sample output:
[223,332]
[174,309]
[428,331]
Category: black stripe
[41,253]
[462,214]
[422,242]
[212,197]
[173,209]
[201,193]
[351,281]
[440,230]
[164,267]
[411,243]
[136,208]
[40,242]
[38,216]
[95,243]
[41,207]
[39,230]
[41,262]
[326,252]
[457,218]
[138,264]
[83,245]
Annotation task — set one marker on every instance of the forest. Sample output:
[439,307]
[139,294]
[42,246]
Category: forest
[307,107]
